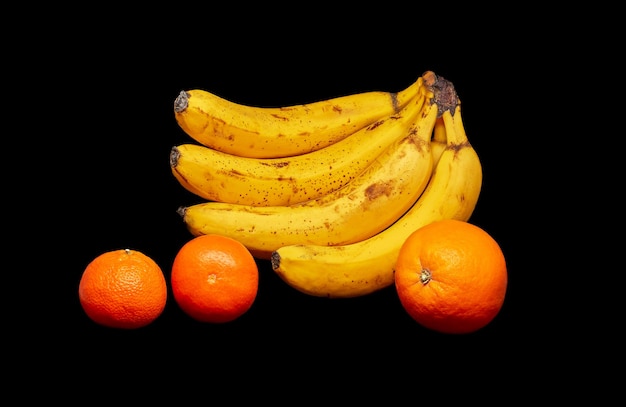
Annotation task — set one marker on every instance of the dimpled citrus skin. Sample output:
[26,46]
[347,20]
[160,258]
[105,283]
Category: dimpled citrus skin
[123,289]
[451,277]
[214,279]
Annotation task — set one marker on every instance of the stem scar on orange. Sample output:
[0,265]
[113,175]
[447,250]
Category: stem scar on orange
[214,278]
[451,276]
[123,289]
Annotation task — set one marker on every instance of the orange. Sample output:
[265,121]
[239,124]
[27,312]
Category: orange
[451,277]
[123,289]
[214,278]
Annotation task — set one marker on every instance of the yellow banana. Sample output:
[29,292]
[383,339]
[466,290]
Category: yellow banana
[439,141]
[367,266]
[364,207]
[267,132]
[223,177]
[439,134]
[437,148]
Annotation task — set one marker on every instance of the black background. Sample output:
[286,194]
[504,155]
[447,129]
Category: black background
[112,96]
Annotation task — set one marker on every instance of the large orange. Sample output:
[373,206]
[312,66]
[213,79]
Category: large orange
[214,278]
[451,276]
[123,289]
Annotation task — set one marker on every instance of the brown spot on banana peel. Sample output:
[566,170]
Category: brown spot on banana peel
[374,125]
[283,118]
[458,147]
[232,173]
[276,165]
[378,189]
[304,106]
[377,123]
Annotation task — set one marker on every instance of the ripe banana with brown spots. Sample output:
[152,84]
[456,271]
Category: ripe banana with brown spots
[371,202]
[267,132]
[223,177]
[342,271]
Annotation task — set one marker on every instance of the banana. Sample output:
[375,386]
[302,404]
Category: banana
[370,203]
[439,140]
[270,132]
[223,177]
[439,134]
[368,266]
[437,148]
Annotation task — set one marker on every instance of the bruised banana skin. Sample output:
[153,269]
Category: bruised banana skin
[362,268]
[222,177]
[268,132]
[370,203]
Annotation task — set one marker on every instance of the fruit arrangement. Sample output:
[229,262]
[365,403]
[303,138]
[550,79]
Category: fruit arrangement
[329,209]
[342,197]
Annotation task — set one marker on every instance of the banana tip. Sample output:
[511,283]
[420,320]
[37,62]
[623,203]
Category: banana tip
[174,156]
[275,260]
[181,102]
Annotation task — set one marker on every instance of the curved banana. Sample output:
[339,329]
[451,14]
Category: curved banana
[367,266]
[370,203]
[267,132]
[222,177]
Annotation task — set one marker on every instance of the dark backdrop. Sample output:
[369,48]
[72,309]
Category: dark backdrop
[113,97]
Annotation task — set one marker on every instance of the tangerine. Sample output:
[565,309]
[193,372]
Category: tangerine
[451,276]
[123,289]
[214,278]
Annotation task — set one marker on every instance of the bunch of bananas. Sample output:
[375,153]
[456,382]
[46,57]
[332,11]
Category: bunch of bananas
[327,191]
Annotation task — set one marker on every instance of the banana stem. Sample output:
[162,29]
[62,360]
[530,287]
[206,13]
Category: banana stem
[445,96]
